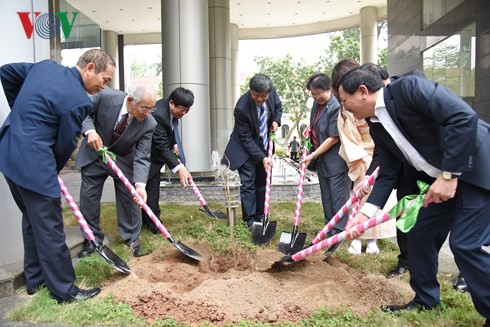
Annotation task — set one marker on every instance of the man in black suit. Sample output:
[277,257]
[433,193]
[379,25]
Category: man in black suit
[164,148]
[425,126]
[247,148]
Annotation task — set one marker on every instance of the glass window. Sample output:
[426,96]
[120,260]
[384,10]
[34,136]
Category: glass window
[452,63]
[435,9]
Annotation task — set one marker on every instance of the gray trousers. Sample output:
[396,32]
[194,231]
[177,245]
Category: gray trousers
[335,193]
[94,176]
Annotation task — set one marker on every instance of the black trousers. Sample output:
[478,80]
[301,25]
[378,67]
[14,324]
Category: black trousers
[467,218]
[46,256]
[252,190]
[153,195]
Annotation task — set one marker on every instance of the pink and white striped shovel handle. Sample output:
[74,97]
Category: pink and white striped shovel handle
[340,237]
[196,191]
[345,208]
[131,189]
[299,198]
[78,214]
[268,178]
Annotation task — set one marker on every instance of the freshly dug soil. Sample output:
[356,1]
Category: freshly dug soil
[244,287]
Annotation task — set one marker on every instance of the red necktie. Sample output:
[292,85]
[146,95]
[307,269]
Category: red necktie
[120,128]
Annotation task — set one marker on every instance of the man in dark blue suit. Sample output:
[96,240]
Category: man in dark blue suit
[247,148]
[425,126]
[49,103]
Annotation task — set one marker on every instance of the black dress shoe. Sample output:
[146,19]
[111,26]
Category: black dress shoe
[399,270]
[82,295]
[88,249]
[410,306]
[32,291]
[333,248]
[137,251]
[460,284]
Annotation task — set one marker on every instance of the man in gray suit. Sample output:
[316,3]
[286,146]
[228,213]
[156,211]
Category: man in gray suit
[122,122]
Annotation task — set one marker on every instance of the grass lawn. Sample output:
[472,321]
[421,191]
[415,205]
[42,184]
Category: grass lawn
[187,224]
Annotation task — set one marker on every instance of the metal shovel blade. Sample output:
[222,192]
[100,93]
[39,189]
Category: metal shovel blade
[218,214]
[113,259]
[281,262]
[185,249]
[290,243]
[263,231]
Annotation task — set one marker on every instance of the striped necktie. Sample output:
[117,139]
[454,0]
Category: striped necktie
[263,126]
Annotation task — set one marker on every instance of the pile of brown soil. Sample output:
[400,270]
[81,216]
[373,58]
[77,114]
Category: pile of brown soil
[243,287]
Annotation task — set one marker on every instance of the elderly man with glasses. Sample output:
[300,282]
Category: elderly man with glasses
[123,123]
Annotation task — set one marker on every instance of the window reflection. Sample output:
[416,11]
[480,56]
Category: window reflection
[452,63]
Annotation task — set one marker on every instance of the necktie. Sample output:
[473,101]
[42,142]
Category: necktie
[175,125]
[263,126]
[120,128]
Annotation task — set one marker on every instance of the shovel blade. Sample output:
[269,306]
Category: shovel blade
[263,231]
[113,259]
[218,214]
[185,249]
[290,243]
[281,262]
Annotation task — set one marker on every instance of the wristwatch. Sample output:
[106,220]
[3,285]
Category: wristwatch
[447,175]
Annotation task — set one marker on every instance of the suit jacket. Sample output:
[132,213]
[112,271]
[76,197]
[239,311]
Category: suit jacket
[245,140]
[329,163]
[163,138]
[48,104]
[441,127]
[133,146]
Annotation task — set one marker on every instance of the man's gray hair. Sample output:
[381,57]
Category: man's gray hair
[140,90]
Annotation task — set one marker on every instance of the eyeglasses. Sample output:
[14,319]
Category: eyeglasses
[145,109]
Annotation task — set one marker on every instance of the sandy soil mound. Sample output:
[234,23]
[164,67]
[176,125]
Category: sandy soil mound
[241,287]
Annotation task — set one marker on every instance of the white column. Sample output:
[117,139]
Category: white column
[220,73]
[25,50]
[110,45]
[369,35]
[185,48]
[235,77]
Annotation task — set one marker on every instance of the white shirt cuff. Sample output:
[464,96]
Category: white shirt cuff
[369,209]
[176,168]
[87,132]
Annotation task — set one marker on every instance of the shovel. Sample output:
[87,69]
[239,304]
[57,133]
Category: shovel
[217,214]
[331,240]
[180,246]
[290,243]
[345,208]
[106,253]
[263,231]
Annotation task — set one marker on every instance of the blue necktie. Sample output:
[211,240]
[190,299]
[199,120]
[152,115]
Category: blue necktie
[263,126]
[175,125]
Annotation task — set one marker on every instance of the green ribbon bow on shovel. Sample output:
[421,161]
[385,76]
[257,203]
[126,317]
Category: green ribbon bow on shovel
[272,135]
[307,144]
[102,151]
[409,217]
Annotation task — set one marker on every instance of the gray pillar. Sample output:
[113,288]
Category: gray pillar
[110,45]
[369,35]
[185,48]
[220,73]
[235,77]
